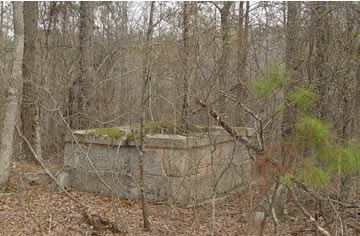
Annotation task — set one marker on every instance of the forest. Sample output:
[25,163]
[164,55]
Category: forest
[288,72]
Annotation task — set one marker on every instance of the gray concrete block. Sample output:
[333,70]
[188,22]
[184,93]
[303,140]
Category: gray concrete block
[178,169]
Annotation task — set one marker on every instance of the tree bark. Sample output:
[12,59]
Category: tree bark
[320,30]
[243,31]
[347,117]
[289,116]
[292,65]
[186,43]
[79,97]
[30,114]
[13,95]
[144,103]
[1,26]
[124,84]
[223,61]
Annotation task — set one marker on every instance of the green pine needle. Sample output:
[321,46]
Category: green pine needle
[304,98]
[313,175]
[274,78]
[313,131]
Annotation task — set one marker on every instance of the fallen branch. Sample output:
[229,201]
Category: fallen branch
[90,214]
[38,159]
[325,199]
[307,214]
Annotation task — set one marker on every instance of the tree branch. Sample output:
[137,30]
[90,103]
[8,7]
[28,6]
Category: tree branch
[307,214]
[230,130]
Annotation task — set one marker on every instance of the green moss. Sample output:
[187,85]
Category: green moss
[163,127]
[133,136]
[168,127]
[115,133]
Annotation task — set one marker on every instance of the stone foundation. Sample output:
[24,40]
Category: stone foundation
[177,168]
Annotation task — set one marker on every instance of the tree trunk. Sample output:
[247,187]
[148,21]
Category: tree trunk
[12,97]
[30,114]
[223,61]
[292,61]
[185,107]
[292,65]
[320,30]
[347,117]
[79,97]
[243,31]
[144,103]
[124,84]
[1,26]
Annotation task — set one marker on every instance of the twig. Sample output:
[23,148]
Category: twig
[49,225]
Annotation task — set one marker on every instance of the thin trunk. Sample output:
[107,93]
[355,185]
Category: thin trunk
[122,91]
[223,61]
[185,107]
[144,101]
[243,31]
[242,52]
[2,39]
[292,61]
[1,27]
[30,114]
[12,97]
[52,21]
[347,117]
[147,93]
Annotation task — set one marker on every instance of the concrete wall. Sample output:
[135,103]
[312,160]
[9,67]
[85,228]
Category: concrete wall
[178,169]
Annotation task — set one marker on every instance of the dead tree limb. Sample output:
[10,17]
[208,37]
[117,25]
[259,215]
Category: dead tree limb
[255,116]
[307,214]
[52,177]
[230,130]
[326,199]
[92,217]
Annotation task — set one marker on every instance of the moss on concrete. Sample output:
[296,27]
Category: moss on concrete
[115,133]
[162,127]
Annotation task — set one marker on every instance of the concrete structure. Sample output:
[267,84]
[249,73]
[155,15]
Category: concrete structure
[182,169]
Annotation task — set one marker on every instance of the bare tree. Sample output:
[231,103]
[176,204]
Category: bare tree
[12,97]
[320,32]
[80,94]
[223,60]
[243,31]
[30,113]
[293,65]
[186,28]
[144,101]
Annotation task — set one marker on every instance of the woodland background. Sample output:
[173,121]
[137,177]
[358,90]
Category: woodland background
[105,64]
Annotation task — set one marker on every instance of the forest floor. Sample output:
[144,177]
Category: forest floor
[32,208]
